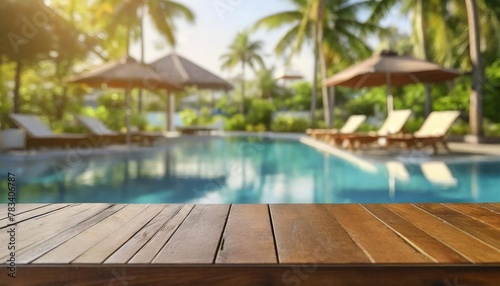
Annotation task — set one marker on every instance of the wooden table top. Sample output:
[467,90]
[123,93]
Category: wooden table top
[322,235]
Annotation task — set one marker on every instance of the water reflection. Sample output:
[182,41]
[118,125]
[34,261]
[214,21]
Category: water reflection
[249,171]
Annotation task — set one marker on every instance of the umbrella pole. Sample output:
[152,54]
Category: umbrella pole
[390,99]
[127,114]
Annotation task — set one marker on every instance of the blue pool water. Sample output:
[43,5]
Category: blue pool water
[244,170]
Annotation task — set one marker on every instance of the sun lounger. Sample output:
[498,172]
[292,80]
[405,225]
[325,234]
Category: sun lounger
[350,126]
[432,132]
[393,124]
[102,133]
[39,135]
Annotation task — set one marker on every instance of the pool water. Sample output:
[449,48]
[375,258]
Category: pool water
[245,170]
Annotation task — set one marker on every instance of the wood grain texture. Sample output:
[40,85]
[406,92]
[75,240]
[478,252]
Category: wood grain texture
[248,237]
[481,214]
[35,231]
[86,239]
[414,236]
[468,246]
[33,211]
[21,209]
[298,240]
[152,237]
[386,275]
[198,237]
[374,237]
[107,246]
[311,234]
[484,232]
[36,250]
[494,207]
[53,223]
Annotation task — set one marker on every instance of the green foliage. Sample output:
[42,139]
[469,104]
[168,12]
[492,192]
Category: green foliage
[261,112]
[492,92]
[189,117]
[296,98]
[227,107]
[456,99]
[284,123]
[366,103]
[413,124]
[256,128]
[492,129]
[235,123]
[459,128]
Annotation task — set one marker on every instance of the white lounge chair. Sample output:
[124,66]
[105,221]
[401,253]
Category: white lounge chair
[39,135]
[393,124]
[350,126]
[432,132]
[102,133]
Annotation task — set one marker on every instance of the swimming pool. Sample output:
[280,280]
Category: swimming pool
[244,170]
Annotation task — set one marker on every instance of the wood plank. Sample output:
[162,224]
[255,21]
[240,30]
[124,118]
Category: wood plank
[102,250]
[20,208]
[310,234]
[31,253]
[36,230]
[481,214]
[374,237]
[419,239]
[52,224]
[78,244]
[248,237]
[468,246]
[486,233]
[492,207]
[198,237]
[32,213]
[152,237]
[387,275]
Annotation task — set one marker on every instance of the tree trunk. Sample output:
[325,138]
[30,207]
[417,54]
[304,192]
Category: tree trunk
[476,96]
[315,79]
[17,86]
[143,12]
[242,107]
[422,34]
[62,103]
[332,102]
[324,89]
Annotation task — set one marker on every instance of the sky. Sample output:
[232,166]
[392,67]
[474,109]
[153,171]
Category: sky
[216,26]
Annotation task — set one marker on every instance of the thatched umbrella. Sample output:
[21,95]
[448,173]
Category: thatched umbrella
[389,68]
[185,73]
[126,73]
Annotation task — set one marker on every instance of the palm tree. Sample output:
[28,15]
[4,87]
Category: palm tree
[475,120]
[456,41]
[333,28]
[130,14]
[243,52]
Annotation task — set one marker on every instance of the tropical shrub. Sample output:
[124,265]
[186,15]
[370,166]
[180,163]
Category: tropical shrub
[235,123]
[261,112]
[284,123]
